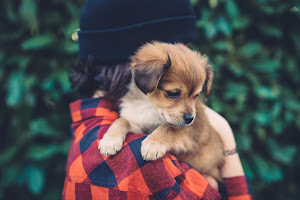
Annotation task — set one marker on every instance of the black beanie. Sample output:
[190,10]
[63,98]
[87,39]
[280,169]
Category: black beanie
[112,30]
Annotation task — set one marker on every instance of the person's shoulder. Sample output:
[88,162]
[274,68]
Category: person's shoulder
[218,122]
[221,125]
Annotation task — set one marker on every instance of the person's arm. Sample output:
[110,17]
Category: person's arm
[232,170]
[232,166]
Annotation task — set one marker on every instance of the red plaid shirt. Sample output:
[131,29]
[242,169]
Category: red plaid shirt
[89,175]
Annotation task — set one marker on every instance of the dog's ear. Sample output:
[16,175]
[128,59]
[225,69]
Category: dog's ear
[208,81]
[147,73]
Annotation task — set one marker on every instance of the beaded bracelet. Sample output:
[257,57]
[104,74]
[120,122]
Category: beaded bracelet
[229,152]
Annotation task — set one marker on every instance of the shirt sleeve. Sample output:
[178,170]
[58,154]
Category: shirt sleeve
[236,188]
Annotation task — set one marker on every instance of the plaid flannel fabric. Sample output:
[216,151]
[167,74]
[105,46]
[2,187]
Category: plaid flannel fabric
[236,188]
[89,175]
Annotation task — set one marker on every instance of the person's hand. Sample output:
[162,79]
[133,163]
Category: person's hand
[212,182]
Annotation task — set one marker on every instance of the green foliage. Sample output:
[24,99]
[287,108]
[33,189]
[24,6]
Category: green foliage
[255,51]
[35,56]
[253,45]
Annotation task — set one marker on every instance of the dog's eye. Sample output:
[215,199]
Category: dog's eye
[173,95]
[196,96]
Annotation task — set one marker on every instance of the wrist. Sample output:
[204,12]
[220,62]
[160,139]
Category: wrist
[229,145]
[232,166]
[229,152]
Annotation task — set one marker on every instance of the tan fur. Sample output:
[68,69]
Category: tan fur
[158,68]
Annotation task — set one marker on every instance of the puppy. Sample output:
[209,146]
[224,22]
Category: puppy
[163,101]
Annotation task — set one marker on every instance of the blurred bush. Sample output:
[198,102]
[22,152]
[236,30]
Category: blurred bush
[35,55]
[254,47]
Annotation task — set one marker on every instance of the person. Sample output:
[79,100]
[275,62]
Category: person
[110,32]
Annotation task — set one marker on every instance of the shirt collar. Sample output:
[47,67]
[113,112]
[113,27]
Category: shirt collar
[92,107]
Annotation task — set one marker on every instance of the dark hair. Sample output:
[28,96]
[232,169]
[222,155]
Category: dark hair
[88,77]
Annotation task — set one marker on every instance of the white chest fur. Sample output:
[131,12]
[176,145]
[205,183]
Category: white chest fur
[136,108]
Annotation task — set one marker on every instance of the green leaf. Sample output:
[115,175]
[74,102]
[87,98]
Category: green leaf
[234,90]
[28,12]
[210,30]
[244,141]
[216,105]
[231,8]
[10,12]
[236,68]
[278,127]
[30,82]
[23,63]
[241,22]
[290,64]
[62,78]
[48,84]
[268,172]
[38,42]
[289,117]
[223,46]
[219,61]
[40,152]
[276,110]
[271,31]
[35,178]
[14,89]
[248,171]
[267,66]
[249,49]
[224,26]
[261,133]
[285,154]
[265,92]
[41,126]
[64,147]
[262,118]
[30,99]
[70,47]
[8,154]
[268,9]
[292,105]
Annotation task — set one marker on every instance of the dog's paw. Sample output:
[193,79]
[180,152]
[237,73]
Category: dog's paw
[109,146]
[152,149]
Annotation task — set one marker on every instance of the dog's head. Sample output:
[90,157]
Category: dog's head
[172,76]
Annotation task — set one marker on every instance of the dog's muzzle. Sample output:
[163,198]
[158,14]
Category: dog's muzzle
[188,118]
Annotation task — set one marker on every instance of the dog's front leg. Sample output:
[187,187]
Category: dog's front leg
[113,139]
[157,143]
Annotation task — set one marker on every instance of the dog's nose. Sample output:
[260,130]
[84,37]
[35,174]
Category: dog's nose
[188,118]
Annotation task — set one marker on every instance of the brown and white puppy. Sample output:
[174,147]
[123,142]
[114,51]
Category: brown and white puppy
[163,102]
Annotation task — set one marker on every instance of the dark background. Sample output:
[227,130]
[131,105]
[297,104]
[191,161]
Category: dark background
[254,46]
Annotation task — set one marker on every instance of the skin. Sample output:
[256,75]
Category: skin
[232,166]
